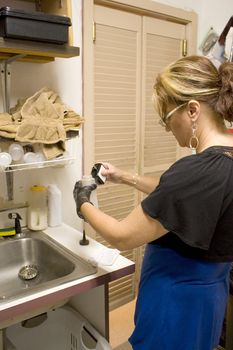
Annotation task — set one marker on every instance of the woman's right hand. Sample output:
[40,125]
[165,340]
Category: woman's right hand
[112,173]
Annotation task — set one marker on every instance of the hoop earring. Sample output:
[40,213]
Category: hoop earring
[194,142]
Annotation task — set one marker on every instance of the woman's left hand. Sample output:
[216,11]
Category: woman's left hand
[82,195]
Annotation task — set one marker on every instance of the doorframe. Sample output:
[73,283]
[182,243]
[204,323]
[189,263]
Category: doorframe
[142,7]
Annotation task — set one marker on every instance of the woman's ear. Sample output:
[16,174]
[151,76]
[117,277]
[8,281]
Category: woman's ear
[194,109]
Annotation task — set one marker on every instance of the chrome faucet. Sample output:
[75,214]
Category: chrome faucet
[17,218]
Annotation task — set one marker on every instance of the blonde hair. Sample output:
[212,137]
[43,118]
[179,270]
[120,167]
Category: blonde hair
[195,77]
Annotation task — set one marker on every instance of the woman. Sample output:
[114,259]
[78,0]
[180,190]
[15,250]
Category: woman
[186,219]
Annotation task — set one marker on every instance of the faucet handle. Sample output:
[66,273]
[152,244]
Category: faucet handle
[17,219]
[14,216]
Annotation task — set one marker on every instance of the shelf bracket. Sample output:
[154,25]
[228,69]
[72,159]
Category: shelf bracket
[6,80]
[5,70]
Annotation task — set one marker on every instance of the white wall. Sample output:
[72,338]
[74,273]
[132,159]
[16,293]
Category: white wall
[65,77]
[210,14]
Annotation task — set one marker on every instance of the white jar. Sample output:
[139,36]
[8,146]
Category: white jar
[89,180]
[37,210]
[5,159]
[16,151]
[54,206]
[29,157]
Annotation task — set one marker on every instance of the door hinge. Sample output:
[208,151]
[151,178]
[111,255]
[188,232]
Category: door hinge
[184,47]
[94,32]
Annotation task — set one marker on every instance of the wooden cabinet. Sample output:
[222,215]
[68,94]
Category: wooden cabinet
[32,51]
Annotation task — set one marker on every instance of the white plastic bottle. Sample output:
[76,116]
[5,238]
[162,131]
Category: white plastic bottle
[54,206]
[37,210]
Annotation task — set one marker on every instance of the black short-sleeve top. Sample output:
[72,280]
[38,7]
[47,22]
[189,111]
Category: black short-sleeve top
[194,202]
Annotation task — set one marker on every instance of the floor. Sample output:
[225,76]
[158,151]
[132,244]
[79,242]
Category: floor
[121,326]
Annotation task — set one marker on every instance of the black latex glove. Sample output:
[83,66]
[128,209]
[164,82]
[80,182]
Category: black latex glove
[82,195]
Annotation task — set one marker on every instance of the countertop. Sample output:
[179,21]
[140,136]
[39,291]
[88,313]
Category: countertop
[47,299]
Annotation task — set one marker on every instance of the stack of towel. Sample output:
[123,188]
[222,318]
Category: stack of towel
[42,118]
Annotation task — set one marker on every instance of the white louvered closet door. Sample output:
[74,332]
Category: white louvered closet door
[129,51]
[162,44]
[117,105]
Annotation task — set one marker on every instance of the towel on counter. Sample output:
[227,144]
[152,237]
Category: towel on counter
[104,256]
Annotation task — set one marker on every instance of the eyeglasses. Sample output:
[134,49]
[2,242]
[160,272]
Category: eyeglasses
[163,121]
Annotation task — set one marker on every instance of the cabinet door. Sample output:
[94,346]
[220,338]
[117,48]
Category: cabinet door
[117,105]
[129,50]
[162,44]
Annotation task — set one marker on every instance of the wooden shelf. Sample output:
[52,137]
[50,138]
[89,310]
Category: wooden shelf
[35,51]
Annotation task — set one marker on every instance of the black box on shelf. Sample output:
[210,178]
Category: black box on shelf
[34,26]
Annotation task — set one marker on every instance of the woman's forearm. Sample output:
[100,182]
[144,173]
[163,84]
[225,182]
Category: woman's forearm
[145,184]
[108,227]
[136,229]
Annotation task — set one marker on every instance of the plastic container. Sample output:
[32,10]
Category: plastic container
[29,157]
[5,159]
[54,206]
[37,210]
[35,26]
[89,180]
[64,329]
[16,151]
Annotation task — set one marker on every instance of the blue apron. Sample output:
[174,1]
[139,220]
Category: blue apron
[181,302]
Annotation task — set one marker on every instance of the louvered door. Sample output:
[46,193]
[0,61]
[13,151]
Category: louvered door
[161,45]
[129,51]
[117,91]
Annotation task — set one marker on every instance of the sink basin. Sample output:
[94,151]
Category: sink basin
[35,262]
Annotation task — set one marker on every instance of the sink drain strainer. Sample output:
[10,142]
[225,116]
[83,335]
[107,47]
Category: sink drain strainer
[28,272]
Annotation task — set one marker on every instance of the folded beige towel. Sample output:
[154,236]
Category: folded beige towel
[5,119]
[72,120]
[8,128]
[53,151]
[43,104]
[16,110]
[8,131]
[42,118]
[42,115]
[40,130]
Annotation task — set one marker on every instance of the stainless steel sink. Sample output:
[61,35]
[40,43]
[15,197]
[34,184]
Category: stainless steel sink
[36,262]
